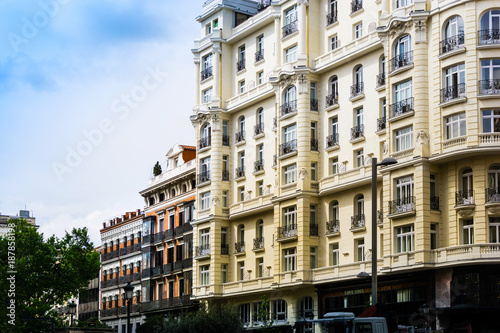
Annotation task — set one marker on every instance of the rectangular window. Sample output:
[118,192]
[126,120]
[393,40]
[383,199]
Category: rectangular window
[291,54]
[360,157]
[402,3]
[313,260]
[223,273]
[245,314]
[207,95]
[313,215]
[205,201]
[360,249]
[260,153]
[405,239]
[279,312]
[205,275]
[314,171]
[402,91]
[455,125]
[215,23]
[208,29]
[241,270]
[290,217]
[241,86]
[358,121]
[454,76]
[260,43]
[334,163]
[404,188]
[260,188]
[205,237]
[241,53]
[313,91]
[335,254]
[290,133]
[434,236]
[468,232]
[259,267]
[241,193]
[224,198]
[291,15]
[358,30]
[403,138]
[207,61]
[491,121]
[241,159]
[205,166]
[494,226]
[289,260]
[290,174]
[334,42]
[260,77]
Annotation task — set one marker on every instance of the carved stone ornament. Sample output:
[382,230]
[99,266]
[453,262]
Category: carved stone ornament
[303,174]
[303,2]
[422,137]
[216,50]
[385,148]
[276,181]
[251,84]
[215,201]
[286,80]
[368,161]
[494,210]
[215,122]
[465,212]
[420,32]
[399,27]
[248,195]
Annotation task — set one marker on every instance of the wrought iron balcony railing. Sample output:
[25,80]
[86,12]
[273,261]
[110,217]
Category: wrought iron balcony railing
[332,227]
[202,250]
[452,92]
[313,229]
[288,147]
[224,249]
[225,175]
[357,132]
[205,142]
[492,195]
[381,123]
[402,205]
[452,43]
[358,221]
[332,140]
[314,104]
[275,160]
[489,36]
[287,231]
[239,247]
[206,73]
[290,28]
[331,100]
[259,55]
[263,4]
[239,136]
[258,243]
[239,172]
[435,203]
[402,60]
[331,18]
[258,165]
[225,140]
[288,108]
[357,89]
[401,107]
[489,87]
[240,65]
[314,144]
[464,197]
[258,129]
[203,177]
[380,217]
[356,5]
[380,80]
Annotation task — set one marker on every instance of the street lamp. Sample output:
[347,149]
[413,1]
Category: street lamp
[72,311]
[129,290]
[385,162]
[425,309]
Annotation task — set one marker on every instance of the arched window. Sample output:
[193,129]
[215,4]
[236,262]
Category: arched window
[490,25]
[290,97]
[151,201]
[381,70]
[206,134]
[360,207]
[403,54]
[453,33]
[172,193]
[259,127]
[334,210]
[333,89]
[357,88]
[467,194]
[260,229]
[493,184]
[241,233]
[162,196]
[184,188]
[306,310]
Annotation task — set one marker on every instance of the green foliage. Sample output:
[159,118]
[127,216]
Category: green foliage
[223,318]
[48,272]
[92,323]
[157,169]
[264,316]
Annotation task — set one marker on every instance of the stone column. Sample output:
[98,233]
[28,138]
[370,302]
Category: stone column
[197,82]
[216,51]
[277,41]
[302,21]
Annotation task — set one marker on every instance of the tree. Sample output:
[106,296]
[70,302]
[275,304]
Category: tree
[46,273]
[264,316]
[157,169]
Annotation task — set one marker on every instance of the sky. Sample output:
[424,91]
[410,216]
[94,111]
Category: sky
[92,94]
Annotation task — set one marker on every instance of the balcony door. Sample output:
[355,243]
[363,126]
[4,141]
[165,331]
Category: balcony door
[404,194]
[403,45]
[491,20]
[402,92]
[290,133]
[467,186]
[454,76]
[290,95]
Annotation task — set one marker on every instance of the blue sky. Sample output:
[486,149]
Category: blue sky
[92,94]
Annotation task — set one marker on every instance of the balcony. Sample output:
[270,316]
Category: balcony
[314,144]
[203,177]
[453,92]
[146,239]
[168,268]
[109,312]
[168,234]
[126,278]
[156,271]
[239,172]
[258,129]
[331,100]
[332,140]
[331,18]
[180,230]
[167,303]
[263,4]
[381,124]
[452,43]
[178,264]
[158,236]
[288,108]
[464,198]
[240,65]
[313,229]
[332,227]
[357,89]
[204,142]
[206,73]
[259,55]
[202,250]
[489,87]
[258,166]
[380,80]
[402,205]
[224,249]
[487,37]
[110,255]
[287,232]
[402,60]
[288,147]
[357,132]
[357,221]
[239,137]
[434,203]
[239,247]
[356,5]
[225,140]
[109,283]
[258,243]
[290,28]
[400,108]
[225,175]
[492,195]
[137,276]
[314,104]
[146,273]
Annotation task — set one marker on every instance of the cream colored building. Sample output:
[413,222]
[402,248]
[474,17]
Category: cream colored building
[293,100]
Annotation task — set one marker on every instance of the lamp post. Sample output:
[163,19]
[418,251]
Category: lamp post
[384,162]
[425,309]
[72,311]
[128,297]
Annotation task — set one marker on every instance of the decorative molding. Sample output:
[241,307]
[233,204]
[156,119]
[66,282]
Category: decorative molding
[422,137]
[385,148]
[494,210]
[215,201]
[420,31]
[303,174]
[465,212]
